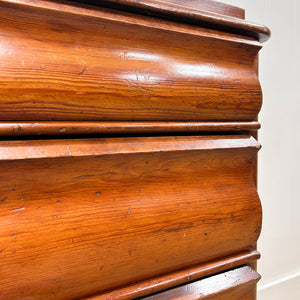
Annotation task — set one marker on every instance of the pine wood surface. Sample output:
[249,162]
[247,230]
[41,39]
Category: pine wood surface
[63,62]
[212,7]
[239,283]
[128,150]
[180,278]
[42,128]
[75,211]
[212,15]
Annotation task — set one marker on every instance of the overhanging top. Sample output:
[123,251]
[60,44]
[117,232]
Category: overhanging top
[205,13]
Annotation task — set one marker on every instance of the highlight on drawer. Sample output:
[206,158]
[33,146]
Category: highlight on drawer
[74,212]
[102,65]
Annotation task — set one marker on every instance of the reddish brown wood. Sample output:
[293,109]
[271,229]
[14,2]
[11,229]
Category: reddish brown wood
[186,14]
[128,217]
[239,284]
[184,276]
[213,7]
[207,6]
[86,65]
[110,146]
[75,211]
[110,127]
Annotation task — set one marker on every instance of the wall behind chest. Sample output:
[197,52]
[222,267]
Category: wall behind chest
[279,160]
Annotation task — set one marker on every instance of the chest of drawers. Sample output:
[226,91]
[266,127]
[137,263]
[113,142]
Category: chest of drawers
[128,150]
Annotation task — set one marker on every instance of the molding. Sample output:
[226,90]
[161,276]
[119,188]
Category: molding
[37,149]
[280,281]
[161,283]
[189,15]
[173,12]
[110,127]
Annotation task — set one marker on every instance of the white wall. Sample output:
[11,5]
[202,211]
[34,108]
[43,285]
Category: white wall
[279,159]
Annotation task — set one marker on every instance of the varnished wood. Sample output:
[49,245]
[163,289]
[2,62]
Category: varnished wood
[181,277]
[238,284]
[213,7]
[110,127]
[154,197]
[186,14]
[36,149]
[207,6]
[74,212]
[85,65]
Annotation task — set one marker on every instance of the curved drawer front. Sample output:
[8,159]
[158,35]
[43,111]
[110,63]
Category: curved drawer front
[239,283]
[79,217]
[99,65]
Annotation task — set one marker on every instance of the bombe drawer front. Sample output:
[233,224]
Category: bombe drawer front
[101,65]
[81,217]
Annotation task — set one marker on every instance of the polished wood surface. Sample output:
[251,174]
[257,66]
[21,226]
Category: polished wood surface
[239,284]
[111,127]
[57,65]
[205,6]
[212,7]
[119,204]
[185,13]
[128,150]
[179,278]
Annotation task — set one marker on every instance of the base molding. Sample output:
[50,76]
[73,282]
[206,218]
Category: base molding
[171,280]
[279,289]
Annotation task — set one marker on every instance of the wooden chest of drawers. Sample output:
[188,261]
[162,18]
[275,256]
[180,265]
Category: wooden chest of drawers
[128,150]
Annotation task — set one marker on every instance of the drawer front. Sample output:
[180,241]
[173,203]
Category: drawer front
[237,284]
[79,217]
[100,65]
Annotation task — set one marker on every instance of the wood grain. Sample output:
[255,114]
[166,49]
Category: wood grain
[238,284]
[111,127]
[155,194]
[63,62]
[213,7]
[186,14]
[80,217]
[36,149]
[181,277]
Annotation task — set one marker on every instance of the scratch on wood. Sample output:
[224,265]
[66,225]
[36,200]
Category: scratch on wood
[180,228]
[80,73]
[18,209]
[3,200]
